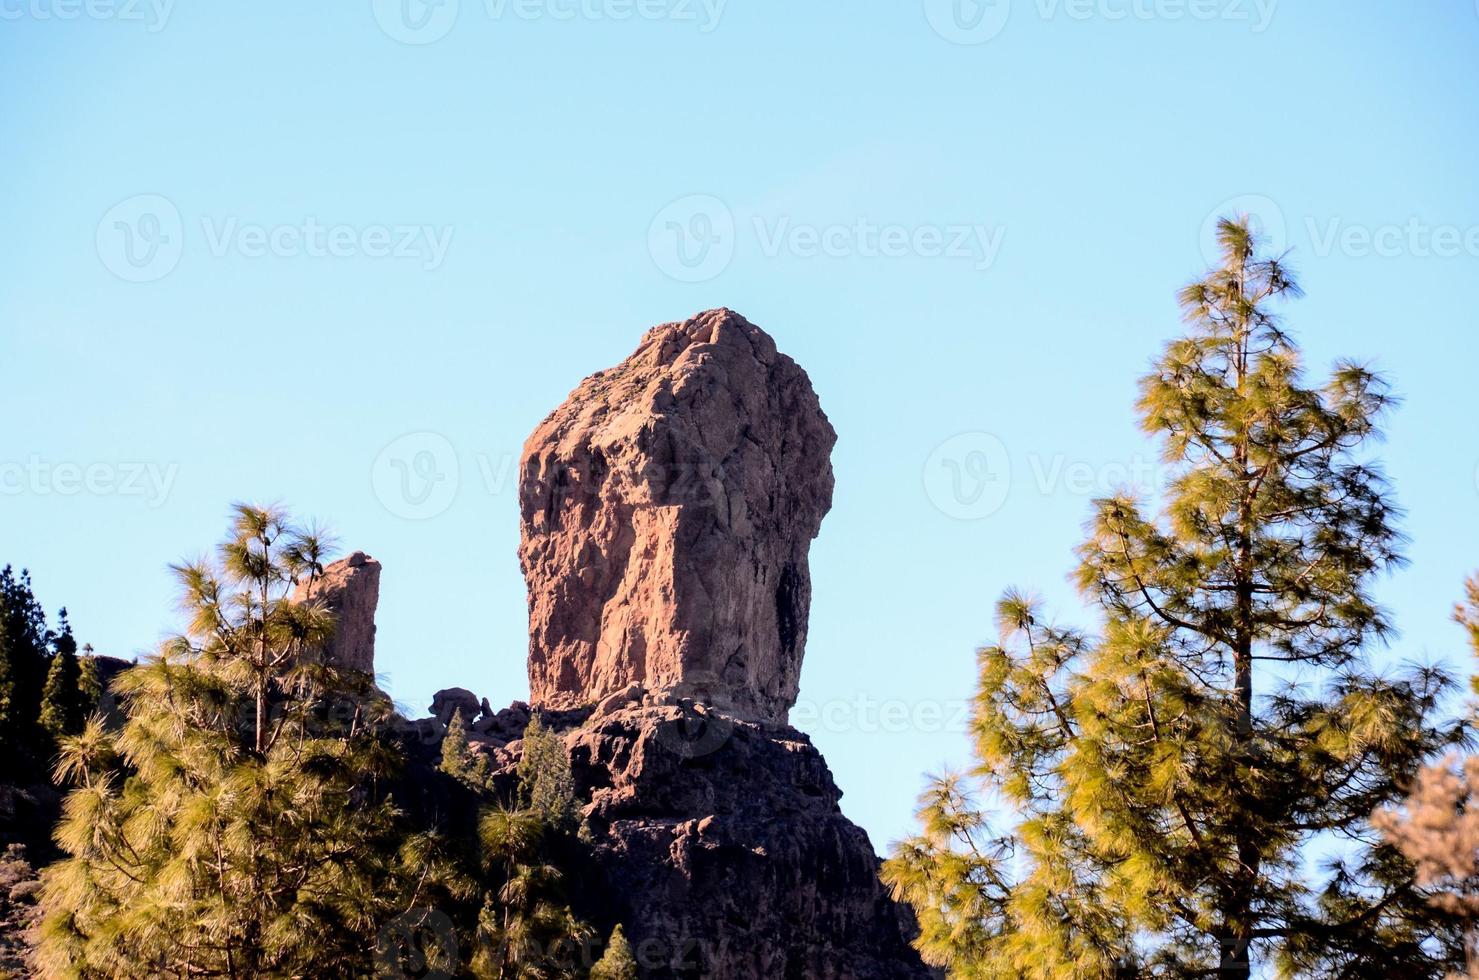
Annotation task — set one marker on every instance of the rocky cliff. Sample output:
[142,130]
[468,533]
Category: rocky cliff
[719,846]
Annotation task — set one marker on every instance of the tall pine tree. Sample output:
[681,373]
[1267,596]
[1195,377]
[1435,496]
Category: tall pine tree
[24,644]
[526,928]
[1174,773]
[237,826]
[63,701]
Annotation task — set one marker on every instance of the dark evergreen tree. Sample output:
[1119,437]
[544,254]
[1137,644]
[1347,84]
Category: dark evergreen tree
[526,929]
[458,761]
[63,703]
[89,683]
[25,642]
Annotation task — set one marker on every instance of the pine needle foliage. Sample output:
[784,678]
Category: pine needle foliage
[1174,775]
[458,760]
[617,963]
[64,701]
[545,783]
[25,642]
[89,683]
[526,929]
[236,825]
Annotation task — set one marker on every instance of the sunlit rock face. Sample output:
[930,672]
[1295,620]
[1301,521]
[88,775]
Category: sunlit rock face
[350,588]
[668,507]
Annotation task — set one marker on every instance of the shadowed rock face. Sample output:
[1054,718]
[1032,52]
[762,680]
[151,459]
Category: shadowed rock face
[668,507]
[350,588]
[719,846]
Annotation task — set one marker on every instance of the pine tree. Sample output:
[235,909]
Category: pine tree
[89,683]
[1173,773]
[454,747]
[545,782]
[236,826]
[24,643]
[617,963]
[62,707]
[457,759]
[526,928]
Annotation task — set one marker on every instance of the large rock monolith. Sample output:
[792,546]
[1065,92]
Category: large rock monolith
[668,507]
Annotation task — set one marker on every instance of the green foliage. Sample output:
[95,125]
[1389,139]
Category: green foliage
[545,783]
[1436,826]
[525,930]
[237,825]
[1171,772]
[457,761]
[64,704]
[89,683]
[24,644]
[617,963]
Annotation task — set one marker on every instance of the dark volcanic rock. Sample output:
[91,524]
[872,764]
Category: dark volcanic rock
[719,846]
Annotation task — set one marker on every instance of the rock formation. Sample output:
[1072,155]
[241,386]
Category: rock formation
[719,846]
[668,506]
[350,588]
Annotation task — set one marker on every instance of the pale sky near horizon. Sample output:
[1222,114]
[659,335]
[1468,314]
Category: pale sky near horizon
[346,256]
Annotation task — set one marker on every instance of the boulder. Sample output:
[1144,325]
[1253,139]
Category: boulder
[447,702]
[667,508]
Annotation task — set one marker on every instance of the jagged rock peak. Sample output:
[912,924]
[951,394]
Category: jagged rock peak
[668,507]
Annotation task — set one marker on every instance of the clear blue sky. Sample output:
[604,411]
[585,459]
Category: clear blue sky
[971,247]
